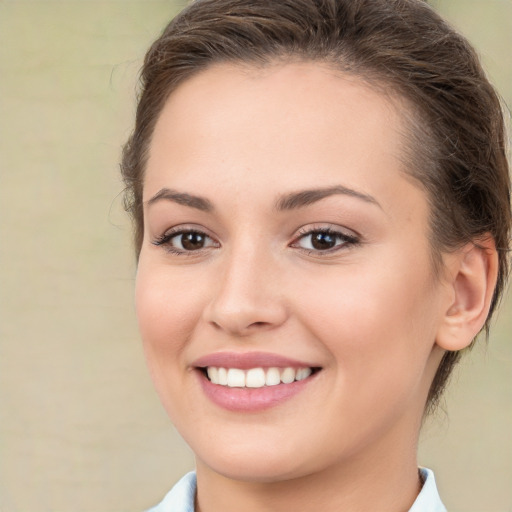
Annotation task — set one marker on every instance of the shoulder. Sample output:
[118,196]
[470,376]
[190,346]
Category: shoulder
[180,498]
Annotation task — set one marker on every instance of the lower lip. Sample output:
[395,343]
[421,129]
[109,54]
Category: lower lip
[251,399]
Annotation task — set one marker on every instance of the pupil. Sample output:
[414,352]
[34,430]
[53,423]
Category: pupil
[192,241]
[323,241]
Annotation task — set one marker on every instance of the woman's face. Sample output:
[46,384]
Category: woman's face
[283,240]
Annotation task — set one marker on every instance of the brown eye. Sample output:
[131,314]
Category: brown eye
[192,241]
[185,241]
[325,240]
[322,241]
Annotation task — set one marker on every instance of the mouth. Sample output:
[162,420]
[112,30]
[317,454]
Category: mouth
[258,377]
[253,381]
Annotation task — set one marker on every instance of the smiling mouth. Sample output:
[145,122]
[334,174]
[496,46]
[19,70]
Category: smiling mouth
[256,377]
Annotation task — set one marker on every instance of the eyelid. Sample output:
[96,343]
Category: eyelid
[164,239]
[350,238]
[326,227]
[180,228]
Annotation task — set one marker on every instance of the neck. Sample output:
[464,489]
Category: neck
[382,477]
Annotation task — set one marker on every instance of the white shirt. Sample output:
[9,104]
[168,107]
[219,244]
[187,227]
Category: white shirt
[181,497]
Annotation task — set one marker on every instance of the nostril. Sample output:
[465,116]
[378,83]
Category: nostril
[241,330]
[244,316]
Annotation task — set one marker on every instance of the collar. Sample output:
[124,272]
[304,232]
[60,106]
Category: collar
[182,495]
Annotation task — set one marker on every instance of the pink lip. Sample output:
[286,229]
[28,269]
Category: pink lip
[250,399]
[247,360]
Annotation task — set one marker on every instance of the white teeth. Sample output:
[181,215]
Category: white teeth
[287,375]
[273,377]
[236,378]
[303,373]
[256,377]
[213,374]
[223,377]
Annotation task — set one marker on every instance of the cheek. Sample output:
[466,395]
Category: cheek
[167,311]
[378,326]
[168,307]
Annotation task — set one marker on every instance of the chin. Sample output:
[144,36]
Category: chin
[265,470]
[252,463]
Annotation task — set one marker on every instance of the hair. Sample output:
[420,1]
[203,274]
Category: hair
[455,145]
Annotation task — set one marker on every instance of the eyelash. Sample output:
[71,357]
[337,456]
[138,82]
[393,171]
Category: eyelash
[165,241]
[347,241]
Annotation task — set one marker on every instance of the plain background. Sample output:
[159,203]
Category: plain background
[81,428]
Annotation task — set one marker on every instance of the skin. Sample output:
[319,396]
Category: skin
[371,314]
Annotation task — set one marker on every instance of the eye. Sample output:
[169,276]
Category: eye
[185,241]
[324,240]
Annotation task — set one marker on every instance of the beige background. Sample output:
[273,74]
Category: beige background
[81,428]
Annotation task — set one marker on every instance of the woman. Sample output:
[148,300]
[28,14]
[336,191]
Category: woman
[321,204]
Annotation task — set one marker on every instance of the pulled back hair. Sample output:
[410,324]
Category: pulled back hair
[456,140]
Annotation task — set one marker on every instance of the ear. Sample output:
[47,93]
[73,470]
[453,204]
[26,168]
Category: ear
[472,273]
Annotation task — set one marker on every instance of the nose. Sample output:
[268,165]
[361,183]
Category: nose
[248,296]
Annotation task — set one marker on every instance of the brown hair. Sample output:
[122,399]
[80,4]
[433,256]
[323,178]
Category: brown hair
[457,145]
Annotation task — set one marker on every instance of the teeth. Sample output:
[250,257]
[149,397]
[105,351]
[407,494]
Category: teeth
[256,377]
[273,377]
[213,374]
[236,378]
[223,377]
[287,375]
[303,373]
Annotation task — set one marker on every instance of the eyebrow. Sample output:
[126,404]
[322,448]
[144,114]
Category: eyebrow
[167,194]
[287,202]
[307,197]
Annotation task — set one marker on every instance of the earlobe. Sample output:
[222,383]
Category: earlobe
[473,273]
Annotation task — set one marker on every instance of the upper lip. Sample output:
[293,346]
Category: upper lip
[247,360]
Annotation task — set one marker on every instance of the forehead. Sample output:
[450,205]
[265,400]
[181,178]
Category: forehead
[284,126]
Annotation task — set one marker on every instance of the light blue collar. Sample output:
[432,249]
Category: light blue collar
[182,495]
